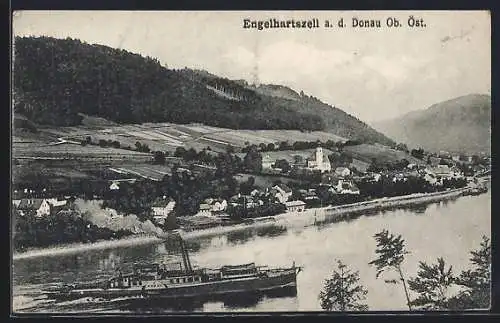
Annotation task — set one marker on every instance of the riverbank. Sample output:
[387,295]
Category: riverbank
[290,219]
[312,216]
[82,247]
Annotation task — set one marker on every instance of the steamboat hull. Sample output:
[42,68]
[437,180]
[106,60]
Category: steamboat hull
[263,283]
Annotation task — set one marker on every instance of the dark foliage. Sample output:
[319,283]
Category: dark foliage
[431,285]
[342,292]
[56,79]
[55,229]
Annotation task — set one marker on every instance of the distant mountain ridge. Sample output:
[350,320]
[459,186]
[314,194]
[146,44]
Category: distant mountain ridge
[461,124]
[57,80]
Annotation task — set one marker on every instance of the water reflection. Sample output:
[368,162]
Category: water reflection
[272,231]
[240,236]
[230,302]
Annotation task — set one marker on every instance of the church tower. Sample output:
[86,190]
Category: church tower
[319,156]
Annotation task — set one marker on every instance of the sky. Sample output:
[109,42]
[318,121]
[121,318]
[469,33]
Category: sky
[371,73]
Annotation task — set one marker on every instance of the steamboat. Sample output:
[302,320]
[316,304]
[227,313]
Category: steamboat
[182,280]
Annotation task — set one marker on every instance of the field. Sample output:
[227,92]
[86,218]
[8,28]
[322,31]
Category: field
[167,137]
[151,172]
[366,152]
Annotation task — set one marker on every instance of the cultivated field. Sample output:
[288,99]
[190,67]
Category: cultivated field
[151,172]
[366,152]
[167,137]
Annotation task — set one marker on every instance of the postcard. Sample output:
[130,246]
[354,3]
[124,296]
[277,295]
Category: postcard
[169,162]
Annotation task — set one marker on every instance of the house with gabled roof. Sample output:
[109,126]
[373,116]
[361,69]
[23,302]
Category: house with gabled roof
[281,192]
[41,207]
[163,206]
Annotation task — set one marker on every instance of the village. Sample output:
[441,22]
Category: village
[329,182]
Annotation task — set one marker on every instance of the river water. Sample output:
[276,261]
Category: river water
[448,229]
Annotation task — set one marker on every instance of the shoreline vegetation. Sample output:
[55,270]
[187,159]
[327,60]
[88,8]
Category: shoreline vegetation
[308,217]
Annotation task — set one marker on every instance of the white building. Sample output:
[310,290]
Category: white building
[56,202]
[342,171]
[219,206]
[281,192]
[319,162]
[295,206]
[346,187]
[205,210]
[163,207]
[114,186]
[41,206]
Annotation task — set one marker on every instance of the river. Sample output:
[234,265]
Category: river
[448,229]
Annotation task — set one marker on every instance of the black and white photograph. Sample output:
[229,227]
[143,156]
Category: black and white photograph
[203,162]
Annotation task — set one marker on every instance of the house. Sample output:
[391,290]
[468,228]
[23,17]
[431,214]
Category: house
[114,186]
[318,161]
[16,202]
[346,187]
[205,210]
[56,203]
[295,206]
[254,192]
[41,206]
[430,178]
[411,166]
[399,177]
[309,195]
[283,192]
[162,207]
[342,171]
[217,205]
[267,161]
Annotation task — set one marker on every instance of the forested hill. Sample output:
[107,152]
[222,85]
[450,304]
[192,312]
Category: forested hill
[56,79]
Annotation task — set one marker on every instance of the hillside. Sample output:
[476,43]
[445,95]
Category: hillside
[462,124]
[57,81]
[277,91]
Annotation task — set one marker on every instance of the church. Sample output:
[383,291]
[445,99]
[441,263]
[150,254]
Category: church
[318,161]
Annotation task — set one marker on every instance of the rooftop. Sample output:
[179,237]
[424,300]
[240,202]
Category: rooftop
[294,203]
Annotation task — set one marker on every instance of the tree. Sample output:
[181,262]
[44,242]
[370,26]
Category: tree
[103,143]
[391,253]
[431,285]
[283,164]
[159,157]
[476,282]
[417,153]
[253,159]
[402,147]
[342,292]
